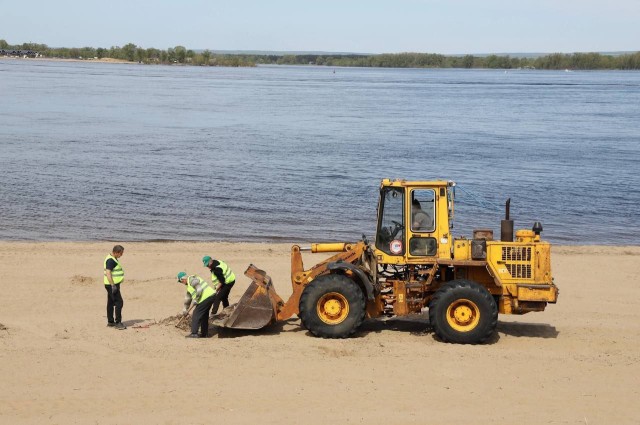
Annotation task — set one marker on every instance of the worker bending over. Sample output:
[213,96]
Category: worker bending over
[200,294]
[222,278]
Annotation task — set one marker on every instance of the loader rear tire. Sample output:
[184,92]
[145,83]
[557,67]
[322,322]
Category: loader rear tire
[332,306]
[463,312]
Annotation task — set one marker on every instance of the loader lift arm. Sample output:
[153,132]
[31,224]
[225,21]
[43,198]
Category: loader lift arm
[261,305]
[348,255]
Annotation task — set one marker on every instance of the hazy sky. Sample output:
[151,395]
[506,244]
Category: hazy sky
[373,26]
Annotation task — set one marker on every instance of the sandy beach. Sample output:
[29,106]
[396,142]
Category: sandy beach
[576,363]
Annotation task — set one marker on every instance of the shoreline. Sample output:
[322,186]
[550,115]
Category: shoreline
[555,246]
[303,65]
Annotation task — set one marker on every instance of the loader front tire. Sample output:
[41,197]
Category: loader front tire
[332,306]
[463,312]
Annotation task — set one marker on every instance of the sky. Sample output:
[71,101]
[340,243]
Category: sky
[373,26]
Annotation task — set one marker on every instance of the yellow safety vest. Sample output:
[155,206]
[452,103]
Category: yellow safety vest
[229,276]
[207,291]
[117,274]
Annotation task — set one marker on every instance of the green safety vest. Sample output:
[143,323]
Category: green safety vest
[117,274]
[226,272]
[207,291]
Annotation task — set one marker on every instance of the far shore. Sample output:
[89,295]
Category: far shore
[40,59]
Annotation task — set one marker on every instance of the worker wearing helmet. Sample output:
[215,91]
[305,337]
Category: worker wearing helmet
[113,278]
[200,294]
[222,278]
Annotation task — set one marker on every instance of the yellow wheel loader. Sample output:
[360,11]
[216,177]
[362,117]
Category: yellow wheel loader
[414,264]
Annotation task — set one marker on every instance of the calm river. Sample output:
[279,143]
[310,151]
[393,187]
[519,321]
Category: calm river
[92,151]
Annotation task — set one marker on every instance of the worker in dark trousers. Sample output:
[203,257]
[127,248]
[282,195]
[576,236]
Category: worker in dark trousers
[113,278]
[222,278]
[201,294]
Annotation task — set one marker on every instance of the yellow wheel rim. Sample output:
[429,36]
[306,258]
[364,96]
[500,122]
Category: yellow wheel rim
[332,308]
[463,315]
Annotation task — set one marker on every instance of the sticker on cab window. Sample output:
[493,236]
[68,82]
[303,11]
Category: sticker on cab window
[395,246]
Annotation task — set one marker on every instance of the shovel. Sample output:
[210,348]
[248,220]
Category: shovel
[185,316]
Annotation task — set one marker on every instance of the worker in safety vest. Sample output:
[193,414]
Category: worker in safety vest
[113,278]
[201,295]
[222,278]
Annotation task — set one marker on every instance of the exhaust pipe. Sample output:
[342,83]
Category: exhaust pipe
[506,225]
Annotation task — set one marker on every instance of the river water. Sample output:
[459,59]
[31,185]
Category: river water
[119,152]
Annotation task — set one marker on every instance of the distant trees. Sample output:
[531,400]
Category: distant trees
[630,61]
[128,52]
[206,56]
[151,55]
[181,55]
[425,60]
[586,61]
[132,53]
[467,61]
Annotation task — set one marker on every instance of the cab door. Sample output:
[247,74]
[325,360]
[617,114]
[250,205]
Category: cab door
[390,234]
[422,223]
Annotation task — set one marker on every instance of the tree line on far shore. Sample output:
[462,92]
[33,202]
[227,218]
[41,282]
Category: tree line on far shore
[132,53]
[181,55]
[558,61]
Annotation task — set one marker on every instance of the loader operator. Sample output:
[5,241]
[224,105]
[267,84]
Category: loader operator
[222,278]
[113,278]
[420,221]
[200,294]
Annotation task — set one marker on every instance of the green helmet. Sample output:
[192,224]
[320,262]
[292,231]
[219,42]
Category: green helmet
[205,260]
[181,275]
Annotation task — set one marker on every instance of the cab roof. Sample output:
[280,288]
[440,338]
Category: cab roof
[420,183]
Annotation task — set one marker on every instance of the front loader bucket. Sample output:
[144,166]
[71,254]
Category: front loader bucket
[256,309]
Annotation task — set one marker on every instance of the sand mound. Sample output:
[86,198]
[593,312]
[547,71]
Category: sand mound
[171,320]
[82,280]
[185,325]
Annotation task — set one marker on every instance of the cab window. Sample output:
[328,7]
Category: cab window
[425,247]
[423,210]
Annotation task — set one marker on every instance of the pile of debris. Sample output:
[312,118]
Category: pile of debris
[175,320]
[184,325]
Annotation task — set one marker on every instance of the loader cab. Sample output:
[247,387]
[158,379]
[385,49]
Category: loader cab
[413,221]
